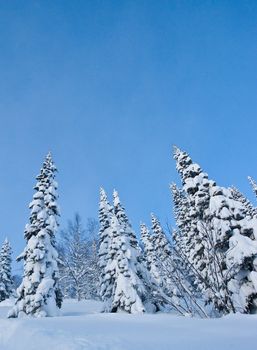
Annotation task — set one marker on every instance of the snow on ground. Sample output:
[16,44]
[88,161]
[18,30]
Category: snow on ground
[83,327]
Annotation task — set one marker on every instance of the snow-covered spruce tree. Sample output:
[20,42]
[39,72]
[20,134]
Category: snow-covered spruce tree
[105,241]
[228,237]
[39,294]
[196,187]
[6,282]
[133,289]
[183,273]
[253,184]
[204,254]
[124,264]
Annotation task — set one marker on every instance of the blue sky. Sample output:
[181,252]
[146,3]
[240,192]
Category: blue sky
[110,86]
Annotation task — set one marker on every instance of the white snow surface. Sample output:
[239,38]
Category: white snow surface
[83,327]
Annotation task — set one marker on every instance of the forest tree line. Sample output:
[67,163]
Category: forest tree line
[206,266]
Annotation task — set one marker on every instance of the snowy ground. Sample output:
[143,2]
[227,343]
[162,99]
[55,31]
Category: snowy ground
[81,326]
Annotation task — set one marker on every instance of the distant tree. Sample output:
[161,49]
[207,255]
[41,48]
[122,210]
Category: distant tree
[6,281]
[253,184]
[73,256]
[78,268]
[92,230]
[39,294]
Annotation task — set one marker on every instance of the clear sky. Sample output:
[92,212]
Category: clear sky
[110,86]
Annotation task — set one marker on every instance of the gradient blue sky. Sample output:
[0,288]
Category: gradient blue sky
[109,86]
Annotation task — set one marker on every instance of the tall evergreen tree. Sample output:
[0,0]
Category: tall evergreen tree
[39,294]
[125,279]
[6,282]
[186,278]
[131,287]
[225,231]
[196,187]
[129,291]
